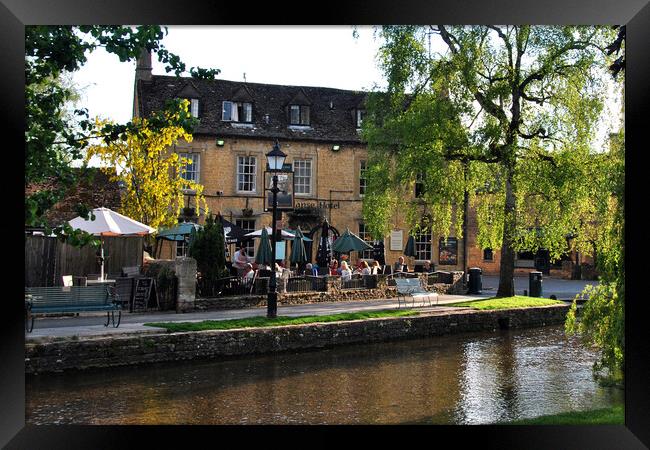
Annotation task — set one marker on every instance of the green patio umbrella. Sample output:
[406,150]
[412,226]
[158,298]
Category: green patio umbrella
[349,241]
[410,247]
[264,252]
[298,252]
[180,232]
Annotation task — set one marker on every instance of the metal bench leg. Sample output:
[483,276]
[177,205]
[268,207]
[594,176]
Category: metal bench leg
[29,322]
[119,318]
[108,318]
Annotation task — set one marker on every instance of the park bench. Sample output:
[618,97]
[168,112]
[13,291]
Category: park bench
[71,299]
[411,287]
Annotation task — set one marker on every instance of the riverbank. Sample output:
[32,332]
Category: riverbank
[85,353]
[606,416]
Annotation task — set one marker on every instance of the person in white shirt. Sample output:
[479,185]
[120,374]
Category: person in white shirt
[249,273]
[346,273]
[240,260]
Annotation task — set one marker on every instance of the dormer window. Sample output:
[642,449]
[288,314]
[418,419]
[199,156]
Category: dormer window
[298,115]
[194,107]
[237,112]
[360,114]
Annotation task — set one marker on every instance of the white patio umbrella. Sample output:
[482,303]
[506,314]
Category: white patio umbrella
[258,233]
[109,223]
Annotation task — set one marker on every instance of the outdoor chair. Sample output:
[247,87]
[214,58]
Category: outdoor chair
[411,287]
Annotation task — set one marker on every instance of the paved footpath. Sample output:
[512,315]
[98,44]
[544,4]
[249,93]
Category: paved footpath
[92,324]
[89,325]
[562,289]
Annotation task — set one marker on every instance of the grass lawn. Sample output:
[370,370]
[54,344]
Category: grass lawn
[608,416]
[518,301]
[260,321]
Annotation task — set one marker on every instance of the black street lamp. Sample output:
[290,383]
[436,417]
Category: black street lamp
[276,160]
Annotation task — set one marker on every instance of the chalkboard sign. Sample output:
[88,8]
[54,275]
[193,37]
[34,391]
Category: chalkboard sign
[142,294]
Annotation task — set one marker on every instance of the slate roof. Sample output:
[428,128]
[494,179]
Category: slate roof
[336,124]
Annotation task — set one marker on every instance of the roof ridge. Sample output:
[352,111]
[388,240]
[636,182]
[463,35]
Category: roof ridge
[246,83]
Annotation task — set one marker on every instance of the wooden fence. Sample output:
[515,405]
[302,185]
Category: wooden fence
[47,258]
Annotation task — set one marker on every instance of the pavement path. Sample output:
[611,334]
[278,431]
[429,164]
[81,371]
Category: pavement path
[91,325]
[562,289]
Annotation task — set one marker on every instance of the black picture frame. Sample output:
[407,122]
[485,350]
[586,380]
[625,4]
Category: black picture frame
[286,197]
[448,251]
[633,13]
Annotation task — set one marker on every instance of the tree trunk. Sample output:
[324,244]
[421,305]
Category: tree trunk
[507,267]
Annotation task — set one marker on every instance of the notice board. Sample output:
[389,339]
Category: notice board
[144,288]
[396,239]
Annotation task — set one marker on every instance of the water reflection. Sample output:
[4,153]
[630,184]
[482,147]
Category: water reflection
[473,378]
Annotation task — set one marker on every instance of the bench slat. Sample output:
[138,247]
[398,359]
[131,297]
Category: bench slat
[69,299]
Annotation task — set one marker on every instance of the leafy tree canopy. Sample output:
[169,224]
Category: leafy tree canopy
[151,175]
[506,113]
[53,139]
[208,248]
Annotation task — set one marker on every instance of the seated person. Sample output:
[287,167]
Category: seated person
[344,259]
[365,268]
[240,259]
[334,268]
[249,273]
[376,268]
[311,270]
[427,267]
[346,273]
[400,266]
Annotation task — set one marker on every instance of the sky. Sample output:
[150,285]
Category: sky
[325,56]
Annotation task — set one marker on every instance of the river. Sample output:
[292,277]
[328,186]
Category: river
[471,378]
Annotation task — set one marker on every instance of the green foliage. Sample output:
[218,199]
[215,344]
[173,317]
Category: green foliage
[256,322]
[606,416]
[518,301]
[54,138]
[152,176]
[601,322]
[208,248]
[506,114]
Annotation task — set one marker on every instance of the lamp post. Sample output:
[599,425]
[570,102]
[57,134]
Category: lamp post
[275,159]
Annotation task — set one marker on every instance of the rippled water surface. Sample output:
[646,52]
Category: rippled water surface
[473,378]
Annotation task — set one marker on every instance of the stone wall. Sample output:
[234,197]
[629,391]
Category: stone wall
[149,348]
[183,270]
[334,293]
[297,298]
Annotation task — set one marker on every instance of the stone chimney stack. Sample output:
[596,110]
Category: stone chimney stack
[143,66]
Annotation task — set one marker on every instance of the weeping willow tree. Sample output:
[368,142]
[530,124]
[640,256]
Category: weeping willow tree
[504,114]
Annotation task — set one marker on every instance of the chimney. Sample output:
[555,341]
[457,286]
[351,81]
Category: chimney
[143,66]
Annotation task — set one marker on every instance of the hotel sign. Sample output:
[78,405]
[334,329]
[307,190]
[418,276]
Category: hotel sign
[318,205]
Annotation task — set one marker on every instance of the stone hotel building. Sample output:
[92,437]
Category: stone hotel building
[319,129]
